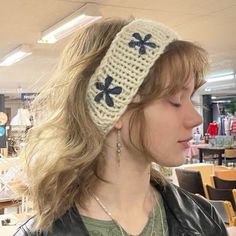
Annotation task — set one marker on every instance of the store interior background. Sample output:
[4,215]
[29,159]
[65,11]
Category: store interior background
[210,23]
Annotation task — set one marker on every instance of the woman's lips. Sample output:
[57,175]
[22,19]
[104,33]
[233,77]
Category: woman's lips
[184,144]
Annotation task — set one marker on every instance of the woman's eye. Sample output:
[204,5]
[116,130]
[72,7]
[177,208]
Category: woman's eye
[175,104]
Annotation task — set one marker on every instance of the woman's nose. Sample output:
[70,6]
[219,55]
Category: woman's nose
[192,119]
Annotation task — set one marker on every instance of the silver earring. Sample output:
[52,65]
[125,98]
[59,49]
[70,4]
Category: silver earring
[118,146]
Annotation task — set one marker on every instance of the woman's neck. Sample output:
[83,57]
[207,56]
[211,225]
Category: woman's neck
[128,185]
[126,192]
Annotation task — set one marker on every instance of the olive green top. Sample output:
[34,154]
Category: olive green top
[97,227]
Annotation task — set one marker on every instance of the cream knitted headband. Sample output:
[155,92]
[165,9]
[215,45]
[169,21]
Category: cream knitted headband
[122,70]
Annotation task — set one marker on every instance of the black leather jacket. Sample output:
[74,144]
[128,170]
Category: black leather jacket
[187,215]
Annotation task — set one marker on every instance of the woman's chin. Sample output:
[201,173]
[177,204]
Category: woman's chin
[173,162]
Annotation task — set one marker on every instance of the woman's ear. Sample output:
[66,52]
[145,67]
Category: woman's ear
[136,98]
[119,124]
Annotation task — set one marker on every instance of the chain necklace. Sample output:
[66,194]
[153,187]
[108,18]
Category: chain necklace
[153,233]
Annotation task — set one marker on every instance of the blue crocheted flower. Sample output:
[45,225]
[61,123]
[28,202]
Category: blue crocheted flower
[105,90]
[141,43]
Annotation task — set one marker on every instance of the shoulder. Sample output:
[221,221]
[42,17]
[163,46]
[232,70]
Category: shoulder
[69,224]
[190,212]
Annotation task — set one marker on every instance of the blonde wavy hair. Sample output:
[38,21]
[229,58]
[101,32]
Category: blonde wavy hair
[63,149]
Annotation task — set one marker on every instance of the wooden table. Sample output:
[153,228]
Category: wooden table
[211,150]
[9,202]
[192,150]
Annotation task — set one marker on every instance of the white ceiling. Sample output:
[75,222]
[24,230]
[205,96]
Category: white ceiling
[208,22]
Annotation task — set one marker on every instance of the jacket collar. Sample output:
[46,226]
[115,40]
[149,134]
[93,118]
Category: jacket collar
[187,211]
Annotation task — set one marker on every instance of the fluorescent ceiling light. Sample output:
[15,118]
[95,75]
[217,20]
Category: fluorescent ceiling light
[220,78]
[16,55]
[222,101]
[84,16]
[220,87]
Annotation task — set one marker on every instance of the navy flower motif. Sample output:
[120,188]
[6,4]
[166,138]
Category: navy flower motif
[141,43]
[105,90]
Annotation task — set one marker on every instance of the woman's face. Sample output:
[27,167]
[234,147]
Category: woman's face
[169,124]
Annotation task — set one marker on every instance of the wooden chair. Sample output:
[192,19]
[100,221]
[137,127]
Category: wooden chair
[223,184]
[217,167]
[205,169]
[230,156]
[225,210]
[229,174]
[230,213]
[222,194]
[190,180]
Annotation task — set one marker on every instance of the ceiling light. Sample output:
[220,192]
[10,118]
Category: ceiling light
[207,89]
[84,16]
[16,55]
[223,86]
[220,78]
[223,101]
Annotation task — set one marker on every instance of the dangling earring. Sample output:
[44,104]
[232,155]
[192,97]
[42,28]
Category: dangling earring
[118,146]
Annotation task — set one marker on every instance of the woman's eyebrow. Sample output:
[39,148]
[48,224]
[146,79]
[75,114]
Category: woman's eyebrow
[188,89]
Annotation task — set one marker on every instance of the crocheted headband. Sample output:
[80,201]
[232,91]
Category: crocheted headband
[122,70]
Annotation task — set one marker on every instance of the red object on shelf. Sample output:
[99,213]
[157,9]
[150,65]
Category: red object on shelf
[212,129]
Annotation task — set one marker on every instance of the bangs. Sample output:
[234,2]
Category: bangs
[180,62]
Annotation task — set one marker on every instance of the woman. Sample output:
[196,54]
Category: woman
[120,99]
